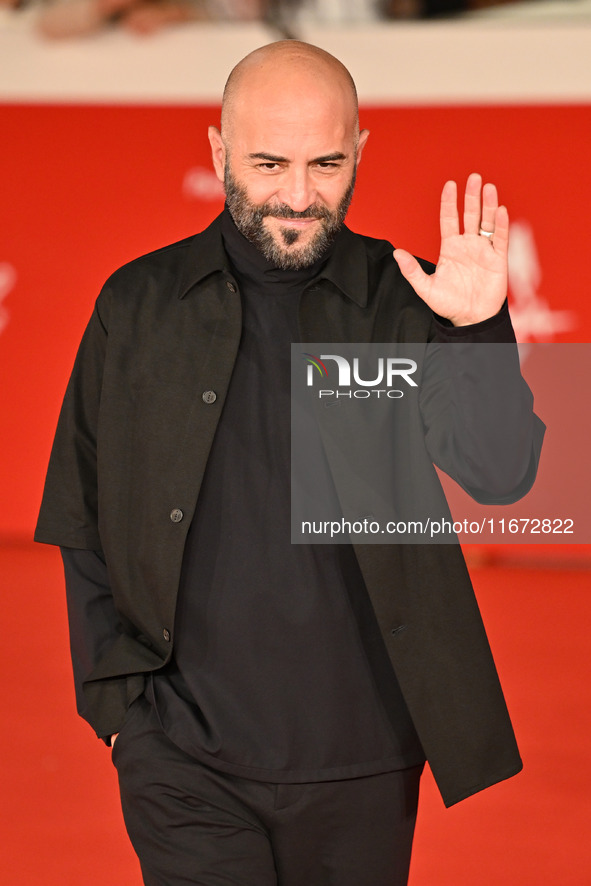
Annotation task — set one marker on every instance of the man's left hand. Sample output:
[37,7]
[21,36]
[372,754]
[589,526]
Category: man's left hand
[470,282]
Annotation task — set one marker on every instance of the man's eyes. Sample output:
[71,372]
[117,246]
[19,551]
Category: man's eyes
[323,165]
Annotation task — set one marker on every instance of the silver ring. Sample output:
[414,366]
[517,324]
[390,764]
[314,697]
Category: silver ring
[484,233]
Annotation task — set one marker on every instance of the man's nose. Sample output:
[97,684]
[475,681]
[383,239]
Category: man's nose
[298,190]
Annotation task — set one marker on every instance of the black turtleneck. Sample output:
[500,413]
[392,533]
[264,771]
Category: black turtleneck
[278,658]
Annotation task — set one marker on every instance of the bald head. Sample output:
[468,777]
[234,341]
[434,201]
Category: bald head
[292,73]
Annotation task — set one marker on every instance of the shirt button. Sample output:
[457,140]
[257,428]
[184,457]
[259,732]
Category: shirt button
[209,396]
[166,635]
[176,515]
[231,286]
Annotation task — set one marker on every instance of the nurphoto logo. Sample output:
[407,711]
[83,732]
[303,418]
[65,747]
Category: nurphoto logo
[344,374]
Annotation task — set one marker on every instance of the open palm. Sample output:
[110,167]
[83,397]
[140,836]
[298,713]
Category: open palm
[470,282]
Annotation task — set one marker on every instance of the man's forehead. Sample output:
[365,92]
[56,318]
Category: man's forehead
[290,106]
[285,132]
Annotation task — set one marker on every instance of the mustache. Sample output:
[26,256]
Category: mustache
[285,211]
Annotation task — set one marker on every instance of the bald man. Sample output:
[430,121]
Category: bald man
[271,706]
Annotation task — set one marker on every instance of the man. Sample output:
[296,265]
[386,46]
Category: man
[276,702]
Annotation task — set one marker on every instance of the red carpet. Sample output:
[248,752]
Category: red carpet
[60,817]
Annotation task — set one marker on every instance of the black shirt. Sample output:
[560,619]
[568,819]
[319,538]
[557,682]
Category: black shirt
[280,672]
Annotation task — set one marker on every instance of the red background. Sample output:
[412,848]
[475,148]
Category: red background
[86,188]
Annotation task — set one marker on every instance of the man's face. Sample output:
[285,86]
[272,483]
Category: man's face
[298,238]
[288,159]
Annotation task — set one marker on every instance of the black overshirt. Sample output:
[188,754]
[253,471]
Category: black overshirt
[164,330]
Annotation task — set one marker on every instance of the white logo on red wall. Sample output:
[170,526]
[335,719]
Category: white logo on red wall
[533,318]
[7,281]
[201,183]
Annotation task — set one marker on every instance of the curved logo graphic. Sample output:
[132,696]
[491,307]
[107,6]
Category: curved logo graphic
[315,363]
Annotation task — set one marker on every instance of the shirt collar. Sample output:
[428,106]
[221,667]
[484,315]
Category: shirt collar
[346,265]
[205,256]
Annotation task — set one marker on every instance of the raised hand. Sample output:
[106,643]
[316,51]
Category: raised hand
[470,283]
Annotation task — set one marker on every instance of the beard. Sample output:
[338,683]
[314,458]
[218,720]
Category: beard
[284,253]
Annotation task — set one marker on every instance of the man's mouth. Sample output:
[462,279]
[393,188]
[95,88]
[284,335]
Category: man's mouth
[296,222]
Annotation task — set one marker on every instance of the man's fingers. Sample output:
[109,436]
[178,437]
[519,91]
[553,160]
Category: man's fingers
[449,220]
[490,204]
[472,210]
[501,229]
[480,207]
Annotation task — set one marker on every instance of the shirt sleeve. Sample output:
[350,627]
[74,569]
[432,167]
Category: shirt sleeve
[497,329]
[480,425]
[69,509]
[93,620]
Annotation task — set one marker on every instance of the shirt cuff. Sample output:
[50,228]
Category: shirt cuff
[496,329]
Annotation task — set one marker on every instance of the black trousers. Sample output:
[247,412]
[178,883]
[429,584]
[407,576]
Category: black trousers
[191,824]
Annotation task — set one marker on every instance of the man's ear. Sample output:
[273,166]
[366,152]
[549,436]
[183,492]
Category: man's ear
[218,151]
[363,137]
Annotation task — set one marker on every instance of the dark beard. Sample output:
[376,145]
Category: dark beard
[249,219]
